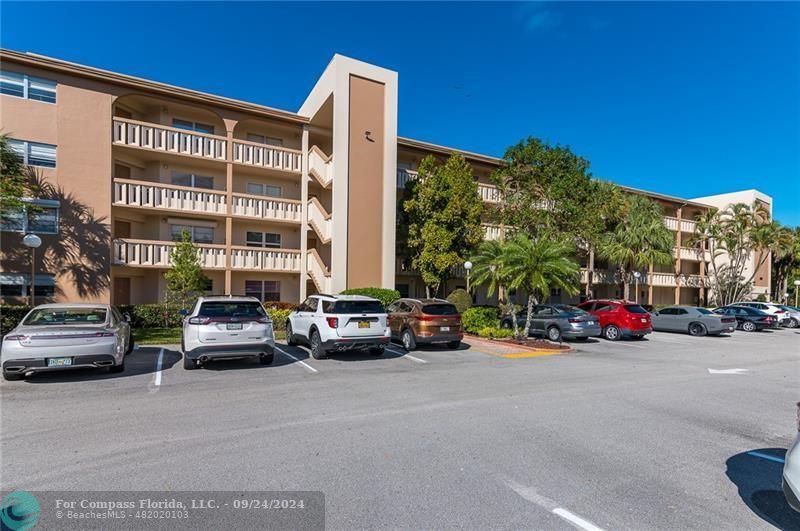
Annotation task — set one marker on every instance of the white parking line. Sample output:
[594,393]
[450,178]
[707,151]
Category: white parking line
[298,360]
[159,364]
[406,355]
[532,496]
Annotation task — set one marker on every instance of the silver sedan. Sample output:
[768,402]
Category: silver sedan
[54,337]
[692,319]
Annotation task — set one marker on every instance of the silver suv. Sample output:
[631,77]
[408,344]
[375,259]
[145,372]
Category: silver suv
[227,328]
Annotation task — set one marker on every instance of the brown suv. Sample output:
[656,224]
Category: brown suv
[424,321]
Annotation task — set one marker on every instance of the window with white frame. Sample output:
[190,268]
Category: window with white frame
[34,153]
[196,234]
[263,290]
[28,87]
[264,139]
[263,239]
[19,285]
[192,126]
[38,216]
[270,190]
[192,180]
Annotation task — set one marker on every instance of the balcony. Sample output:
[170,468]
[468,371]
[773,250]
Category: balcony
[403,176]
[685,225]
[271,208]
[318,272]
[493,232]
[320,166]
[260,259]
[690,253]
[265,156]
[489,193]
[165,139]
[143,194]
[320,220]
[148,253]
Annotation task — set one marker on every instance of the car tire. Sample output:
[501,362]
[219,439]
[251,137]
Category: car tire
[612,333]
[188,363]
[317,350]
[266,360]
[290,335]
[377,351]
[408,340]
[792,323]
[697,329]
[13,376]
[118,368]
[453,345]
[638,338]
[748,326]
[554,333]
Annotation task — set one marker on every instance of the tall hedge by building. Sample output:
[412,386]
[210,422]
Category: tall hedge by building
[386,296]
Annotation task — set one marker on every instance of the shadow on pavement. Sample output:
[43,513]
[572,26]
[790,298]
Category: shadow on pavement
[144,360]
[251,363]
[758,481]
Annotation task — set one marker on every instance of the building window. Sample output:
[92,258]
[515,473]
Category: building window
[41,218]
[29,87]
[34,153]
[263,290]
[192,126]
[196,234]
[263,139]
[264,189]
[19,285]
[192,180]
[263,239]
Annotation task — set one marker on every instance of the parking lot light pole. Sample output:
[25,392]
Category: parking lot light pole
[32,241]
[636,276]
[468,267]
[796,289]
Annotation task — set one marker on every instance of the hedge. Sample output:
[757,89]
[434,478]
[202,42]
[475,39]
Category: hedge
[386,296]
[10,316]
[495,333]
[461,299]
[477,318]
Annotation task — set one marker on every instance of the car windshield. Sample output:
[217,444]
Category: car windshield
[439,309]
[231,309]
[704,311]
[66,316]
[635,308]
[354,307]
[566,308]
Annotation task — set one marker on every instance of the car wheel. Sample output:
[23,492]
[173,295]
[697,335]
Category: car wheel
[747,326]
[317,350]
[408,339]
[118,368]
[611,333]
[554,334]
[188,363]
[452,345]
[792,323]
[12,376]
[638,338]
[697,329]
[377,351]
[290,335]
[266,360]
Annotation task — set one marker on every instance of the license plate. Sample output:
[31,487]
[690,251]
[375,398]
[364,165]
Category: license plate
[644,320]
[234,326]
[59,362]
[590,323]
[363,324]
[444,328]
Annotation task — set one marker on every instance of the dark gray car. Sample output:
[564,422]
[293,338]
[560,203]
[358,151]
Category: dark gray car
[555,321]
[693,320]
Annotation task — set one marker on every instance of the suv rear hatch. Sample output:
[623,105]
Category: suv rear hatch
[355,318]
[226,322]
[637,318]
[440,318]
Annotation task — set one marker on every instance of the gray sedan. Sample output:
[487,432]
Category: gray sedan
[54,337]
[555,321]
[692,319]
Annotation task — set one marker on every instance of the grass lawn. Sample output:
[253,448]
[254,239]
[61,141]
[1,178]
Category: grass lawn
[167,336]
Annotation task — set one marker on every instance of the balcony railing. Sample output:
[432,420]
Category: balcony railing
[690,253]
[493,232]
[319,219]
[489,193]
[261,259]
[143,194]
[685,224]
[272,208]
[320,166]
[265,156]
[148,253]
[403,176]
[155,137]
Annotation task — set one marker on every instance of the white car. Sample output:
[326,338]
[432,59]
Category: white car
[791,470]
[328,323]
[227,328]
[54,337]
[770,308]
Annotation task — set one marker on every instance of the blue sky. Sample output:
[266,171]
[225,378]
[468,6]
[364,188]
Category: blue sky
[680,98]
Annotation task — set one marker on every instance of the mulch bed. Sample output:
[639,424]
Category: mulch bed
[530,343]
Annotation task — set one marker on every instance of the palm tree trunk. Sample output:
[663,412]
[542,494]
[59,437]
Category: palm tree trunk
[528,317]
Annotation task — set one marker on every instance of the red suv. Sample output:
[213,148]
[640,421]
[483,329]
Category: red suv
[619,318]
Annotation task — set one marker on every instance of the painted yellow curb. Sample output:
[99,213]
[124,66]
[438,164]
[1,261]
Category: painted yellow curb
[538,354]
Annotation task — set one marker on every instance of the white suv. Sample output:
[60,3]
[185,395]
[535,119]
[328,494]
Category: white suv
[328,323]
[227,328]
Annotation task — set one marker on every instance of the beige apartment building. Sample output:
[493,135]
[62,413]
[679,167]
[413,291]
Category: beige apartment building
[281,204]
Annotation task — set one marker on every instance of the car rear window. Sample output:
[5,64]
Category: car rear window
[439,309]
[66,316]
[231,309]
[635,308]
[352,307]
[569,309]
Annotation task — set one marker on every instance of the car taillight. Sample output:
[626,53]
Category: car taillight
[104,334]
[574,320]
[426,317]
[333,322]
[15,337]
[264,320]
[199,320]
[780,311]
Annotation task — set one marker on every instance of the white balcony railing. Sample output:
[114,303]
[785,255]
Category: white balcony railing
[493,232]
[403,176]
[319,219]
[148,253]
[318,272]
[255,206]
[145,194]
[166,139]
[265,156]
[320,166]
[261,259]
[689,253]
[489,193]
[686,225]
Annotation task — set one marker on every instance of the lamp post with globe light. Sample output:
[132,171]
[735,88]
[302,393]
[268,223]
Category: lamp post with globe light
[32,241]
[636,277]
[468,267]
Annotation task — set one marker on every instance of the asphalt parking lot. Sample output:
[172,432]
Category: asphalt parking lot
[625,435]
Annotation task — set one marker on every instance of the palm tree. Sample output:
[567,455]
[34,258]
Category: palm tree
[639,240]
[487,267]
[537,266]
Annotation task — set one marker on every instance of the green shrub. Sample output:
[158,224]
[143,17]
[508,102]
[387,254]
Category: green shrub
[279,317]
[479,317]
[461,299]
[10,316]
[495,333]
[280,305]
[152,315]
[386,296]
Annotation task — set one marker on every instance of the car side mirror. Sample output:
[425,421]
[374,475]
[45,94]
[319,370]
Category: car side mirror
[127,317]
[655,312]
